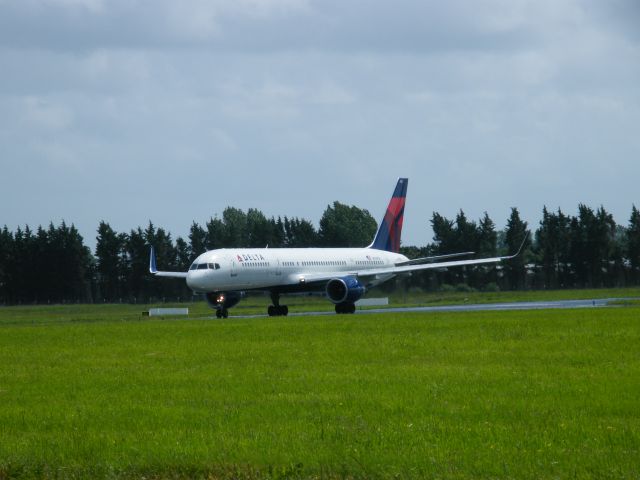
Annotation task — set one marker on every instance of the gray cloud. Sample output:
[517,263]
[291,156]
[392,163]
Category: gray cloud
[134,110]
[266,25]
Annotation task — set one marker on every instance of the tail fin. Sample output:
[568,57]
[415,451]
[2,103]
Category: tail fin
[388,236]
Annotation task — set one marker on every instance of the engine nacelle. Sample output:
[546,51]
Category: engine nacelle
[344,290]
[223,299]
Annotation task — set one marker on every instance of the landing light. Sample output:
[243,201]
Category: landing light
[220,299]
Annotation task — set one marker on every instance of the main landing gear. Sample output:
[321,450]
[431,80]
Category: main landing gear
[277,310]
[345,308]
[222,312]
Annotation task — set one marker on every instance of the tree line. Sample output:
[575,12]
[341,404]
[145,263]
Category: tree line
[53,265]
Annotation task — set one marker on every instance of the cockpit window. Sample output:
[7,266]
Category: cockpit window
[204,266]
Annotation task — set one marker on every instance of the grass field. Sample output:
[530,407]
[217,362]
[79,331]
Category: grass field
[257,304]
[98,391]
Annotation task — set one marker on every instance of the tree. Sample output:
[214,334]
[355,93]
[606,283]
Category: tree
[166,257]
[515,235]
[235,228]
[443,234]
[260,231]
[183,260]
[138,275]
[462,235]
[277,238]
[346,226]
[487,237]
[465,239]
[78,266]
[633,245]
[299,233]
[6,261]
[608,257]
[108,256]
[487,246]
[197,241]
[592,245]
[548,240]
[466,234]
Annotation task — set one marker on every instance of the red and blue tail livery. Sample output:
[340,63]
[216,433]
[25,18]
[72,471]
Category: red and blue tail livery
[388,236]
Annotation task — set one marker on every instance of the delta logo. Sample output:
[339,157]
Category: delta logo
[250,257]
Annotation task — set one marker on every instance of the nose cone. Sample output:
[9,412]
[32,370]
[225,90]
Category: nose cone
[196,280]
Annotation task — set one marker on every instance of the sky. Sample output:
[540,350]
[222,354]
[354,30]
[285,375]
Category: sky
[134,110]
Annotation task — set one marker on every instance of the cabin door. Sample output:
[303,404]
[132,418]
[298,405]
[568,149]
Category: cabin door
[234,267]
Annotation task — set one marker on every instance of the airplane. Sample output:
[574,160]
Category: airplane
[344,275]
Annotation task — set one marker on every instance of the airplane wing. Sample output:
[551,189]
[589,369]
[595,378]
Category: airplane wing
[431,266]
[436,258]
[154,270]
[381,272]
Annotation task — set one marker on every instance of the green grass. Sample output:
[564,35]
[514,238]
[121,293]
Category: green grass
[454,298]
[257,304]
[97,391]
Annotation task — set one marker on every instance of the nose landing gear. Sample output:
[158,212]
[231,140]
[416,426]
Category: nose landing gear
[222,312]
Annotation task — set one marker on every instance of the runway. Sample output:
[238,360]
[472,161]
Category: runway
[590,303]
[601,302]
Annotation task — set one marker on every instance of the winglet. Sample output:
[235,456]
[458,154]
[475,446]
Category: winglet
[524,240]
[152,261]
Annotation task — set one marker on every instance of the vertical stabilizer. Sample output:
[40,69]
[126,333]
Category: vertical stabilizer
[388,236]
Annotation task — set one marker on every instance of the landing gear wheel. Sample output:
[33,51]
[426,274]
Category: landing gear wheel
[345,308]
[278,310]
[218,313]
[225,313]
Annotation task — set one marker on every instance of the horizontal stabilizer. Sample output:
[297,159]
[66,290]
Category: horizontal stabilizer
[153,269]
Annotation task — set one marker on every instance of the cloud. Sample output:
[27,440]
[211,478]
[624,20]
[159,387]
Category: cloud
[40,113]
[484,104]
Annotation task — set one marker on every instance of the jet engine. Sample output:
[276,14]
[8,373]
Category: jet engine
[344,290]
[223,299]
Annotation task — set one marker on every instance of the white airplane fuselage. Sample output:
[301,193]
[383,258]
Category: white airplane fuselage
[257,268]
